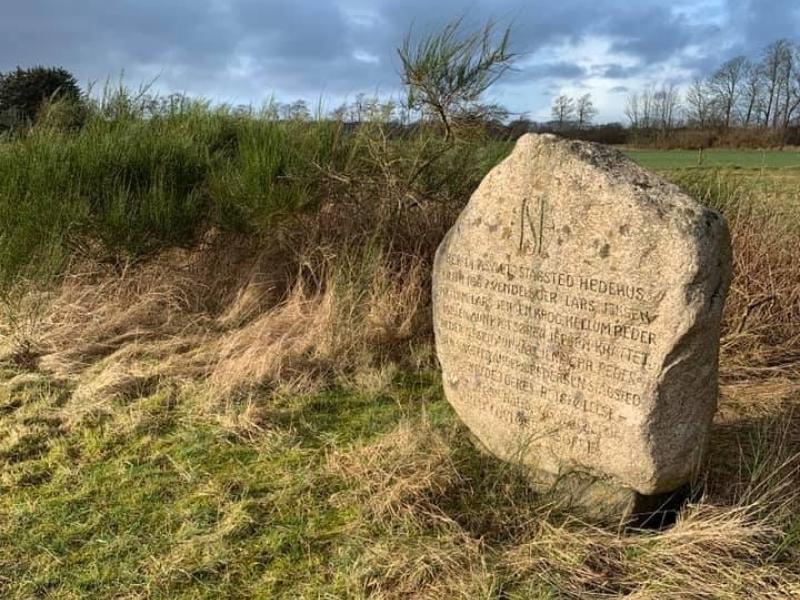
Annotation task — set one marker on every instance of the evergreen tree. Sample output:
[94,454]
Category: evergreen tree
[22,92]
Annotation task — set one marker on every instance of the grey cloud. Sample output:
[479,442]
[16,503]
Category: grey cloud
[619,71]
[749,26]
[652,33]
[246,49]
[538,71]
[279,45]
[760,22]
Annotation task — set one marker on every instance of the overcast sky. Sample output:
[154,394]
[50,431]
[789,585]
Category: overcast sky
[243,51]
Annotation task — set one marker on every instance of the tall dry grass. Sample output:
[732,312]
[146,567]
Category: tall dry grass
[447,525]
[208,242]
[331,294]
[343,288]
[761,324]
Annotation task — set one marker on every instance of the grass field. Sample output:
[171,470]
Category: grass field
[217,381]
[662,160]
[771,175]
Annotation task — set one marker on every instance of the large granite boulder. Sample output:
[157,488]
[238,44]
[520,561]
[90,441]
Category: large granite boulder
[577,307]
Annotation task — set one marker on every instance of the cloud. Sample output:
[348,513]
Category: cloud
[547,70]
[651,33]
[759,22]
[619,71]
[246,50]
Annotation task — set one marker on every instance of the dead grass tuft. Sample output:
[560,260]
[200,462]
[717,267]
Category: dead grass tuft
[403,472]
[713,552]
[333,329]
[337,296]
[440,532]
[449,565]
[731,543]
[114,384]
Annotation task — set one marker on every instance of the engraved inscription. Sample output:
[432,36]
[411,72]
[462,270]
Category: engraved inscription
[560,355]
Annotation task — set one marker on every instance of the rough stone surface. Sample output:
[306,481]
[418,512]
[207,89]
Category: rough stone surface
[577,306]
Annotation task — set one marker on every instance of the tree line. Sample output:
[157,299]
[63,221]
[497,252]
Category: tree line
[444,74]
[742,92]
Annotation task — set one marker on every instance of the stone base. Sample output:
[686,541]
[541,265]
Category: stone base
[605,501]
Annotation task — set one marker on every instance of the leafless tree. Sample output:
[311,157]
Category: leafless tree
[648,107]
[789,67]
[563,110]
[298,111]
[752,93]
[633,110]
[699,104]
[774,70]
[404,113]
[340,113]
[666,105]
[358,108]
[726,85]
[739,92]
[794,89]
[585,110]
[655,107]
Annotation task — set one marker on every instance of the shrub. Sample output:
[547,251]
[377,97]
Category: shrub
[446,73]
[24,91]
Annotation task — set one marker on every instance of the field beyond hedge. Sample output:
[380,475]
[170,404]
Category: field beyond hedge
[217,378]
[666,160]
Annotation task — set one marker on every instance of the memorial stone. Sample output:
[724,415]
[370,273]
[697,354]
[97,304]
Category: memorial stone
[577,305]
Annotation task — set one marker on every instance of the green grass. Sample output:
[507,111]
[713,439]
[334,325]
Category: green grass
[160,498]
[664,160]
[154,502]
[771,175]
[124,186]
[151,501]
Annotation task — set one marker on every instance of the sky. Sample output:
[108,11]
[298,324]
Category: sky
[327,51]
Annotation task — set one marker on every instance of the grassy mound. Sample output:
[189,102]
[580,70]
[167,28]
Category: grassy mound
[217,380]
